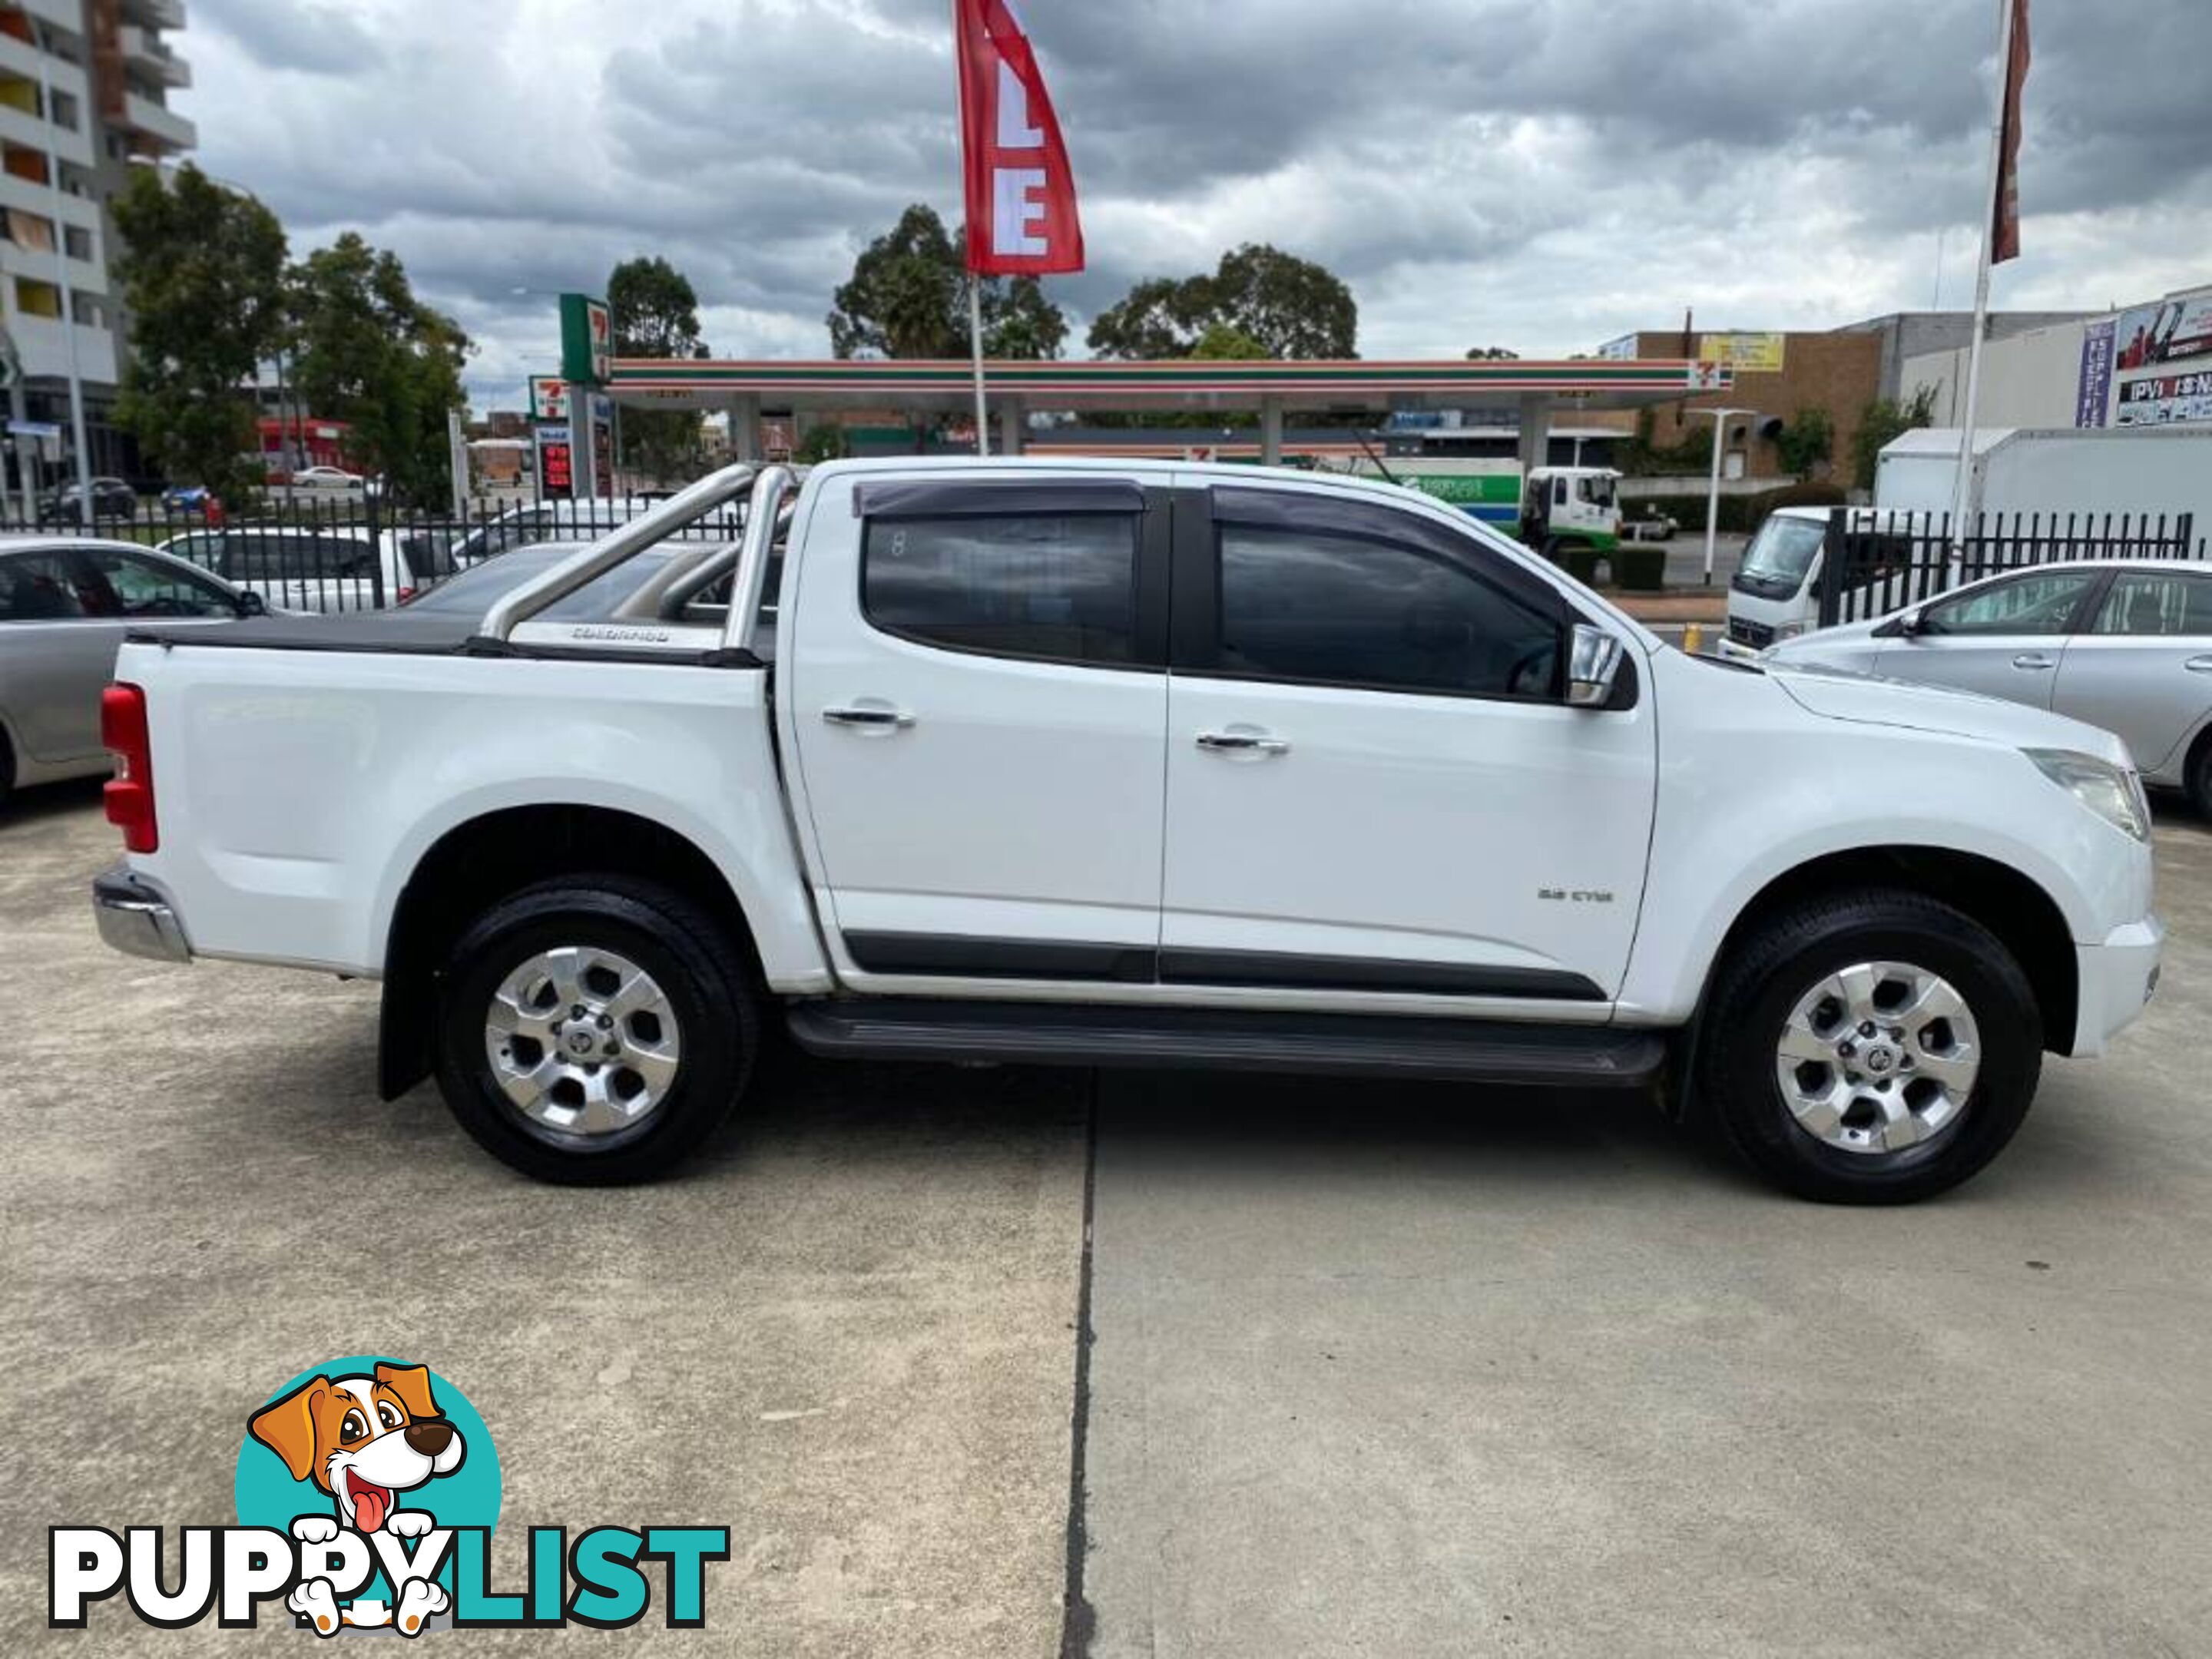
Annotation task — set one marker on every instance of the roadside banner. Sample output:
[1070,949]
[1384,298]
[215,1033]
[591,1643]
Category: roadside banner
[2162,361]
[1022,219]
[2092,401]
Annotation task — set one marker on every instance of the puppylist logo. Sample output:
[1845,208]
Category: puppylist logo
[366,1492]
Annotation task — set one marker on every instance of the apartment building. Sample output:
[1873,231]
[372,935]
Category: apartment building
[84,86]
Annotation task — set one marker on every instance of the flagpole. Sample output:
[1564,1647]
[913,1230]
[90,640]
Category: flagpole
[1962,492]
[975,342]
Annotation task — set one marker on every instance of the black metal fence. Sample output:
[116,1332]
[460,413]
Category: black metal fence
[351,551]
[1874,561]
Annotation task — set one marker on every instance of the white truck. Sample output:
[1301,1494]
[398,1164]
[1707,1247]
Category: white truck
[1775,595]
[2058,473]
[1127,763]
[2045,495]
[1554,508]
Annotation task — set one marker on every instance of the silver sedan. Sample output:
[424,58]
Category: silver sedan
[65,605]
[2124,644]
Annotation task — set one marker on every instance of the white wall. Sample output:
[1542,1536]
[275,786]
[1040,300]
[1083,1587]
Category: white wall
[2031,380]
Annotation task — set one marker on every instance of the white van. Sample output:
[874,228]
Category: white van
[1776,594]
[319,568]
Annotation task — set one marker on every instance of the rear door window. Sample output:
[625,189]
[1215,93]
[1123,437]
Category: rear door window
[2159,604]
[1056,588]
[255,558]
[38,587]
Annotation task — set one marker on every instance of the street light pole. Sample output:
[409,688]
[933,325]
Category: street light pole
[1713,494]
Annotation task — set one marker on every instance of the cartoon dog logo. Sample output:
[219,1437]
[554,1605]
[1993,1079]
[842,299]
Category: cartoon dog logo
[364,1441]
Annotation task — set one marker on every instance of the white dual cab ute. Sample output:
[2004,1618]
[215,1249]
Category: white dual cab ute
[1129,763]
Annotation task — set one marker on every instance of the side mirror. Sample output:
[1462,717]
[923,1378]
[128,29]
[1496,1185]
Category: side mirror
[251,605]
[1903,626]
[1593,667]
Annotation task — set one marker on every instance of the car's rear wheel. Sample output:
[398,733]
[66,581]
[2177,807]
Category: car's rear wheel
[1873,1048]
[7,769]
[594,1030]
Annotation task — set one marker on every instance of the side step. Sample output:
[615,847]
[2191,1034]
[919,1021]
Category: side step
[1050,1034]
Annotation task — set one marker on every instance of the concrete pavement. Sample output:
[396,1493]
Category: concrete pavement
[1383,1370]
[1390,1371]
[846,1334]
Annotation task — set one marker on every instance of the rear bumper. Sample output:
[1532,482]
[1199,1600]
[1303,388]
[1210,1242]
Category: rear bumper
[136,917]
[2116,980]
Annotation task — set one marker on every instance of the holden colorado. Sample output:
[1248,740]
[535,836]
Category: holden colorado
[1127,763]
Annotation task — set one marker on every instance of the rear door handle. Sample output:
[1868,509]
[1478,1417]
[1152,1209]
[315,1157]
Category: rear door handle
[2034,659]
[869,720]
[1241,743]
[2199,665]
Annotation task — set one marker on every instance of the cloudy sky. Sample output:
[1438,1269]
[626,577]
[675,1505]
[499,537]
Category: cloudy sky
[1541,175]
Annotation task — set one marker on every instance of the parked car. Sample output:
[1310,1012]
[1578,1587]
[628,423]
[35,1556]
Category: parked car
[65,605]
[327,477]
[112,498]
[476,590]
[540,522]
[1131,762]
[186,498]
[2125,644]
[320,569]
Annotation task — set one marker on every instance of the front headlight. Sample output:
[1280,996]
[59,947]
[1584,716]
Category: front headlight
[1789,631]
[2114,793]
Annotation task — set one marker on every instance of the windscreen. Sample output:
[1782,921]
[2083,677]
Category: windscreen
[1779,556]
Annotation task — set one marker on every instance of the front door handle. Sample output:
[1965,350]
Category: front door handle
[1241,743]
[2034,659]
[2199,665]
[869,720]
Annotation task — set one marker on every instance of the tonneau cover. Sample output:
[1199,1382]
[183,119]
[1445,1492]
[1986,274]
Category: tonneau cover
[413,633]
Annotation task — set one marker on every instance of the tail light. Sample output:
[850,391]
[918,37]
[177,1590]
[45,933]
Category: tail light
[131,792]
[406,595]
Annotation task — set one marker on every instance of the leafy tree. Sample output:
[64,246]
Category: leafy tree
[202,273]
[374,356]
[1884,421]
[1808,441]
[655,314]
[825,441]
[1222,343]
[908,298]
[1493,354]
[655,310]
[1291,308]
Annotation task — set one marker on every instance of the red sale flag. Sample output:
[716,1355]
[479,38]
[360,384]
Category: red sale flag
[2000,242]
[2005,231]
[1022,215]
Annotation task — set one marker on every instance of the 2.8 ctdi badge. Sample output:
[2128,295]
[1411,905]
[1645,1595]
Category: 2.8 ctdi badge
[366,1492]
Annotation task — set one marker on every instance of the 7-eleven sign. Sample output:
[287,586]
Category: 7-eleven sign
[587,340]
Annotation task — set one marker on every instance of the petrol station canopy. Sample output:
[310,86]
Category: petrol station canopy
[1270,389]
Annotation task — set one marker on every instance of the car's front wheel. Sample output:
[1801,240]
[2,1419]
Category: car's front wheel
[1870,1049]
[594,1030]
[2200,776]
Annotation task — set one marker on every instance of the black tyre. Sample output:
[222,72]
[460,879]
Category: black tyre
[595,1030]
[2200,776]
[7,769]
[1871,1048]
